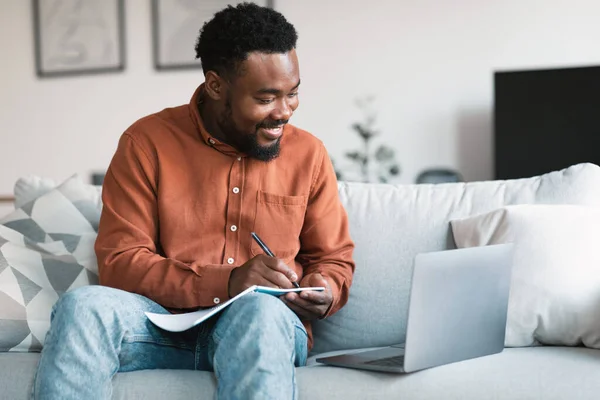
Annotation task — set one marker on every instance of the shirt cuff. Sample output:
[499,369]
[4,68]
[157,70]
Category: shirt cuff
[212,284]
[335,294]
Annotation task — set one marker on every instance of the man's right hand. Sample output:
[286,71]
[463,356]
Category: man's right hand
[261,270]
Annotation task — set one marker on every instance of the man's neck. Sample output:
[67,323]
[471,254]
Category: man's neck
[209,116]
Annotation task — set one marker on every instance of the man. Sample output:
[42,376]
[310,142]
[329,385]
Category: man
[183,192]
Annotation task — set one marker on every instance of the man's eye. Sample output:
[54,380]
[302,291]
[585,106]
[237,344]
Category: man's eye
[293,94]
[265,101]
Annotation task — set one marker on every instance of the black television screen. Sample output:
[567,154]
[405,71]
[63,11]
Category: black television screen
[545,120]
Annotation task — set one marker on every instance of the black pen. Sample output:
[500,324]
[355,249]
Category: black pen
[266,250]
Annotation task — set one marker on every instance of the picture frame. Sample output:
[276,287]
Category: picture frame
[176,25]
[75,37]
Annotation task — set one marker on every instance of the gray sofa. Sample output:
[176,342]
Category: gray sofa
[390,225]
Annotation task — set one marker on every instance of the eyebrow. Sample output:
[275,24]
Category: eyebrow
[276,91]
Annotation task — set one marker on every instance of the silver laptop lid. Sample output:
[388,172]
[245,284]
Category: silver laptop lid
[458,305]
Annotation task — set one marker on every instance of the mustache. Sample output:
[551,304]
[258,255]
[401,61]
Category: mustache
[272,124]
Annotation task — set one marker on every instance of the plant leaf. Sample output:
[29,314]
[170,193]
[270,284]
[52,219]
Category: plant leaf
[384,153]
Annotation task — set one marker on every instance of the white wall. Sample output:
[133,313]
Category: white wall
[429,63]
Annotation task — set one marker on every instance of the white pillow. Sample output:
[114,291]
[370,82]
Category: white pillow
[555,286]
[31,187]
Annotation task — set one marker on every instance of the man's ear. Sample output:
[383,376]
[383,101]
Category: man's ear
[214,85]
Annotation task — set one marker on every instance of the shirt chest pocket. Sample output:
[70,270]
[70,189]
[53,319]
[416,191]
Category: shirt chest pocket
[278,222]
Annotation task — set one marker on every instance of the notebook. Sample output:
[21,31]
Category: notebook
[185,321]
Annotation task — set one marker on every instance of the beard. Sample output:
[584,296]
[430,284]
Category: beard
[247,142]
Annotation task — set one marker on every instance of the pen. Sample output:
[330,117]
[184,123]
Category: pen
[266,250]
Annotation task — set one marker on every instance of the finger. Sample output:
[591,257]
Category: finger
[299,311]
[280,266]
[276,279]
[314,310]
[302,312]
[318,280]
[306,303]
[264,276]
[262,281]
[316,297]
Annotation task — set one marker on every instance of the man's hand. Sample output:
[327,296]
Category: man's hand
[261,270]
[310,304]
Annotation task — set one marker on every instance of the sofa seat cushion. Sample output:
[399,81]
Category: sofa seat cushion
[548,373]
[521,373]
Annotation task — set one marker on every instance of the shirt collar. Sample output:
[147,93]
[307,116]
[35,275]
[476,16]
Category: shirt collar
[204,134]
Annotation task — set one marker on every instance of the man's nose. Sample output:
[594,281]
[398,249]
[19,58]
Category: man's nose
[283,111]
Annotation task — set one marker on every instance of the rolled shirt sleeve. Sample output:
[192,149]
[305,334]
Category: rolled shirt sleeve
[326,243]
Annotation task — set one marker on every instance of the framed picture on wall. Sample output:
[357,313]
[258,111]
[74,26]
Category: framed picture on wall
[78,36]
[176,25]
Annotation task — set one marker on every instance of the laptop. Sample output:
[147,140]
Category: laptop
[457,311]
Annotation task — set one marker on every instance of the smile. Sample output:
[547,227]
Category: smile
[272,133]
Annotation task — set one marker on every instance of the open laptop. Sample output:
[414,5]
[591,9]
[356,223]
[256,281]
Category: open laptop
[457,311]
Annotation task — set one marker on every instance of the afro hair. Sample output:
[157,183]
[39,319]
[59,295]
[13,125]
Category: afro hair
[226,40]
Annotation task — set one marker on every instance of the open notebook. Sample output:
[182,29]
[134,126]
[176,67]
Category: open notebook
[182,322]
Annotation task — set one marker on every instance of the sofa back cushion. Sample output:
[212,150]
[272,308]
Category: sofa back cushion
[390,224]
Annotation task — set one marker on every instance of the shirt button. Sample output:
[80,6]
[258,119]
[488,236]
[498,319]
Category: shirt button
[239,158]
[216,300]
[211,141]
[233,228]
[236,190]
[230,260]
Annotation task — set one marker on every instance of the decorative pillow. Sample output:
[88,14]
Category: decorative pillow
[46,249]
[555,286]
[84,197]
[31,187]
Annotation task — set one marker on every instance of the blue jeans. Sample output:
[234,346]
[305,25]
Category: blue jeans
[96,331]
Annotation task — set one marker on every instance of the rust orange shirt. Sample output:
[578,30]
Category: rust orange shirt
[179,207]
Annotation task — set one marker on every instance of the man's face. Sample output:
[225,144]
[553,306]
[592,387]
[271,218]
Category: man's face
[259,102]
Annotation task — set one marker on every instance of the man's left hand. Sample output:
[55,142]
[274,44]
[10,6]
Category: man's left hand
[310,304]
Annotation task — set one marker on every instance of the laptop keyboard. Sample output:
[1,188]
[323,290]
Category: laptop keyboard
[396,361]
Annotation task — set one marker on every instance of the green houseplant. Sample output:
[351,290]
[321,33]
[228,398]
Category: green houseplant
[373,162]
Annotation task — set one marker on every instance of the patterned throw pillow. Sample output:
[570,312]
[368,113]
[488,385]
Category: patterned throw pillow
[46,249]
